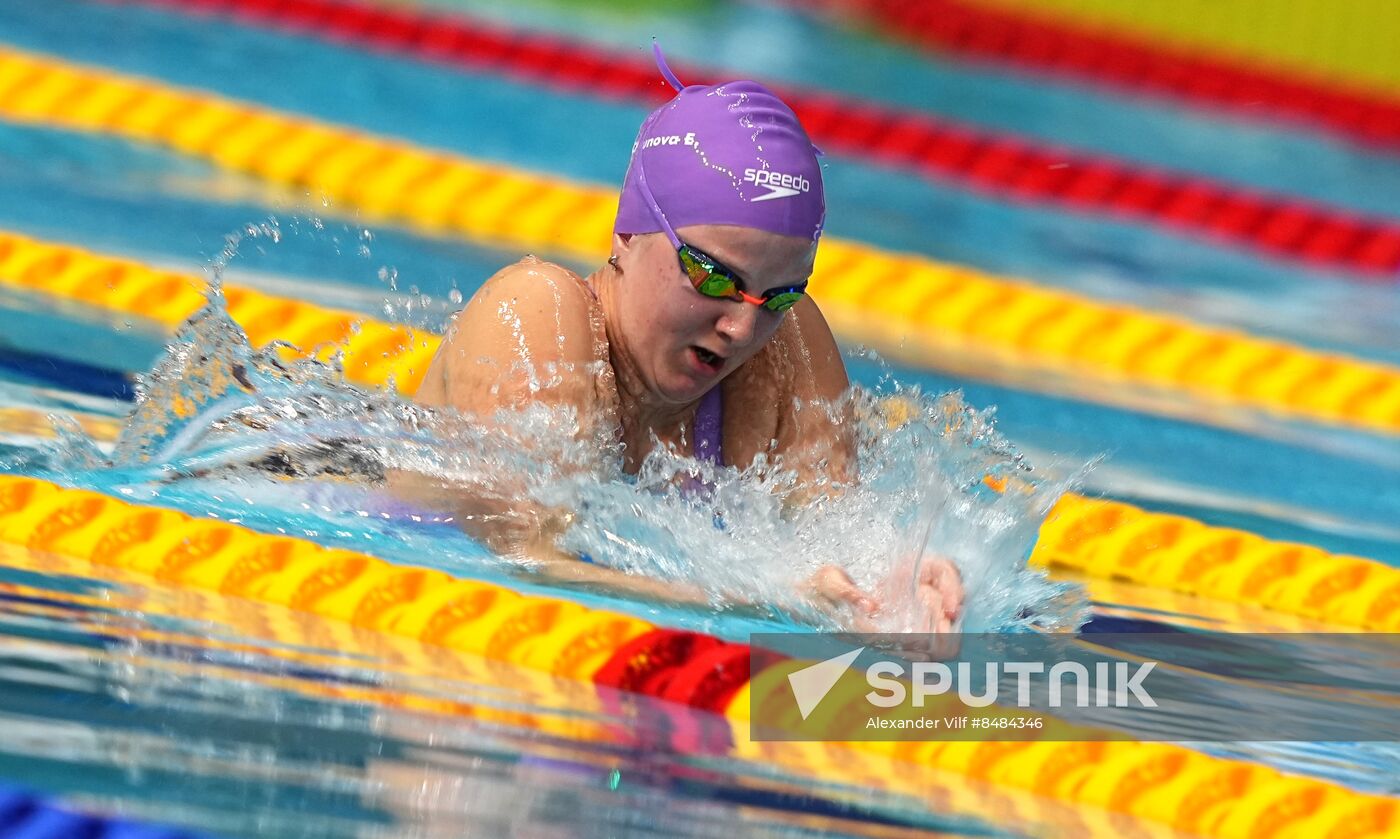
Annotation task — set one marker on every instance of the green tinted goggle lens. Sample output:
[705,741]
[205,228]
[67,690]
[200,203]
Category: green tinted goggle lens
[713,282]
[783,300]
[717,285]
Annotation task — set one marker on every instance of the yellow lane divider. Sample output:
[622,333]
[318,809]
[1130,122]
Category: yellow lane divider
[945,309]
[481,619]
[1107,539]
[562,707]
[374,352]
[1158,782]
[1352,43]
[1093,538]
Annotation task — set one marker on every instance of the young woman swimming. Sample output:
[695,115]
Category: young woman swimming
[699,322]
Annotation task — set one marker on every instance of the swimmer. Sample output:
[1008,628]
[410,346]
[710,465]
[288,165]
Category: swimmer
[699,322]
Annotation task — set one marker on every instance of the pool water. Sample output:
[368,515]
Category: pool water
[247,720]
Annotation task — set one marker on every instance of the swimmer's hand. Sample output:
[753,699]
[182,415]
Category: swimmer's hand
[940,593]
[833,591]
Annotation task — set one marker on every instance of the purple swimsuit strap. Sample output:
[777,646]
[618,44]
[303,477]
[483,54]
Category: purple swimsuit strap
[709,427]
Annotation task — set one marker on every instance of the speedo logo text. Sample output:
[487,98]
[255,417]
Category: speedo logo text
[778,184]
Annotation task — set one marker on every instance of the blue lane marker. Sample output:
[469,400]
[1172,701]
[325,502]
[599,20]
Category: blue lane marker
[69,375]
[25,815]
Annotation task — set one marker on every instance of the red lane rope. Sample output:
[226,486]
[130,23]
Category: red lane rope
[1001,165]
[1121,60]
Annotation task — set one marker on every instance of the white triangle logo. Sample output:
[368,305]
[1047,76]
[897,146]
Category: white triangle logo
[775,191]
[810,685]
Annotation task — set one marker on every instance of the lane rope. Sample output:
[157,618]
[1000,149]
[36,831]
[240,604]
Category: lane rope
[28,815]
[947,311]
[587,709]
[1351,43]
[1007,166]
[1034,39]
[1116,541]
[1094,538]
[1159,782]
[374,353]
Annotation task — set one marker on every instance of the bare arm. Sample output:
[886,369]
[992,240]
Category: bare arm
[530,318]
[528,336]
[817,441]
[816,437]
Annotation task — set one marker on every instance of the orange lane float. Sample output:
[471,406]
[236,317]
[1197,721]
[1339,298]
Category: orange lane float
[1158,782]
[1092,538]
[1010,167]
[941,314]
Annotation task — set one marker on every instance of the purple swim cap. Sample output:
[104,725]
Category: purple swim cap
[729,153]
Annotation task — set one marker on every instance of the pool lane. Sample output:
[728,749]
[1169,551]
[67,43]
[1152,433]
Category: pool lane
[995,163]
[519,124]
[773,42]
[1305,478]
[91,196]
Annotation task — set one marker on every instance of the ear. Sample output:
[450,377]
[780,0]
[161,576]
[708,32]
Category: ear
[622,243]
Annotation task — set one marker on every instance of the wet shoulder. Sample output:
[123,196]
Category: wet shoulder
[526,317]
[533,286]
[801,361]
[777,397]
[543,308]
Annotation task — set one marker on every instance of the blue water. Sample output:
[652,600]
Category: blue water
[205,711]
[495,118]
[778,42]
[221,714]
[118,198]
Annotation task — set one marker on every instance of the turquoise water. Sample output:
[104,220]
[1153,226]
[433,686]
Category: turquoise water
[496,118]
[215,713]
[245,723]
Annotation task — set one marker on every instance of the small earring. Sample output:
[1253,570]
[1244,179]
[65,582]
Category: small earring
[612,260]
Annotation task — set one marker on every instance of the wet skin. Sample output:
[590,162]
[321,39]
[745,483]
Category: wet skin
[640,347]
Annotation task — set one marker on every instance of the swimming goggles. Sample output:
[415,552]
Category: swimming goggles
[709,276]
[712,279]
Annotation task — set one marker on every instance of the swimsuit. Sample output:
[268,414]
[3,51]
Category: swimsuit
[709,428]
[708,441]
[707,434]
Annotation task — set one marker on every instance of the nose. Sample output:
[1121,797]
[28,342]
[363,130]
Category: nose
[739,323]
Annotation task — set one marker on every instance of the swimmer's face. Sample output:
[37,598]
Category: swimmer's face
[682,341]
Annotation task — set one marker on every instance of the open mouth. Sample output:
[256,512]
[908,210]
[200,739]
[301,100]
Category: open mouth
[708,359]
